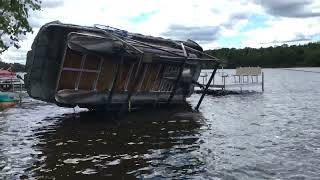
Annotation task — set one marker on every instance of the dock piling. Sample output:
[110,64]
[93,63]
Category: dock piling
[262,83]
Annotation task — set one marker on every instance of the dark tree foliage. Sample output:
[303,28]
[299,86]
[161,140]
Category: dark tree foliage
[15,67]
[272,57]
[13,21]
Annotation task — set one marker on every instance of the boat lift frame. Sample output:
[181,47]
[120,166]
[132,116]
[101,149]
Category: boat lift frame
[240,79]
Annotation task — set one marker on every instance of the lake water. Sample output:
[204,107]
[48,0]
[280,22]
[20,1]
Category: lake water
[270,135]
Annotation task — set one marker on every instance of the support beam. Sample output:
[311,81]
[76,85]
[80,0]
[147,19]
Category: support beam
[135,80]
[114,82]
[162,80]
[129,77]
[94,86]
[207,87]
[176,84]
[61,66]
[198,84]
[175,87]
[155,81]
[146,66]
[80,72]
[262,81]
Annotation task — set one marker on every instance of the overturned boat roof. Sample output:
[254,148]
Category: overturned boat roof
[96,39]
[79,65]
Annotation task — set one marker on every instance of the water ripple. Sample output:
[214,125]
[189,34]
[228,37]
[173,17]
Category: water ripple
[270,135]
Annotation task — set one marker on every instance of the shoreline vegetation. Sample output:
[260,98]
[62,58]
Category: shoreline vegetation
[283,56]
[15,67]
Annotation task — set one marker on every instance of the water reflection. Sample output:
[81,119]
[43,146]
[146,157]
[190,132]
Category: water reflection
[139,144]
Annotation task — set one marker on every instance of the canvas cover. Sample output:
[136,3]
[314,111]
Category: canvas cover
[89,42]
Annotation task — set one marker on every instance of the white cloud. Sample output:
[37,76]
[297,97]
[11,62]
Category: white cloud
[283,30]
[228,16]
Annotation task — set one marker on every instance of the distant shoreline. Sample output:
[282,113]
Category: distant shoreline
[285,68]
[284,56]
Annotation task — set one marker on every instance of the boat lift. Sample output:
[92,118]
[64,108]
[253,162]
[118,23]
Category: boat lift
[243,77]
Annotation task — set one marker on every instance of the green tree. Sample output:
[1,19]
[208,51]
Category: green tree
[279,56]
[14,22]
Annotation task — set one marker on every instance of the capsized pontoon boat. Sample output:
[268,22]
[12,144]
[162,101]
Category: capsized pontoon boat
[103,67]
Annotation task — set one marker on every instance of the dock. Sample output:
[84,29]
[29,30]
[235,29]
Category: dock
[242,78]
[220,82]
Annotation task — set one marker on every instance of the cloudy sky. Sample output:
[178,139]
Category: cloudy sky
[211,23]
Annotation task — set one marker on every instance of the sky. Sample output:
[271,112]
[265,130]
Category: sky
[211,23]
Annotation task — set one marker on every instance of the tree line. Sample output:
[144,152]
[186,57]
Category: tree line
[13,23]
[15,67]
[307,55]
[272,57]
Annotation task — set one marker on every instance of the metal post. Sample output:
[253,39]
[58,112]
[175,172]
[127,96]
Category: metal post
[115,78]
[207,87]
[175,87]
[129,77]
[161,86]
[61,67]
[203,80]
[224,83]
[98,75]
[156,77]
[80,73]
[143,76]
[135,80]
[162,80]
[148,81]
[262,83]
[213,82]
[12,85]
